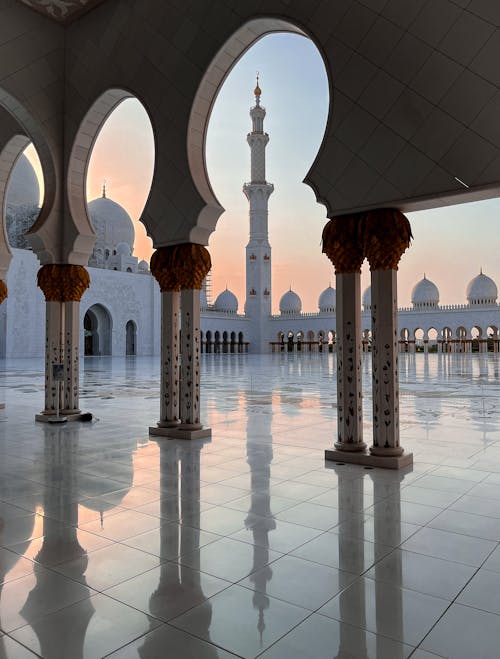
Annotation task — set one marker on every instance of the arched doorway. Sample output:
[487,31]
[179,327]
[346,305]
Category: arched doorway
[97,327]
[130,338]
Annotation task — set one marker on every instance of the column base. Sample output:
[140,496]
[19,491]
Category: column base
[2,406]
[350,447]
[368,460]
[169,424]
[48,417]
[180,433]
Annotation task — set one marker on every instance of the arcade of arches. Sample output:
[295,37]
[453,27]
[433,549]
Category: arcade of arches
[412,124]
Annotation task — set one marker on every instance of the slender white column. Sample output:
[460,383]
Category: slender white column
[190,360]
[54,327]
[169,383]
[187,388]
[71,357]
[349,386]
[385,385]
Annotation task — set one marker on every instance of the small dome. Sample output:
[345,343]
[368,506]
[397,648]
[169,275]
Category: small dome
[367,299]
[425,294]
[482,290]
[111,223]
[327,300]
[23,188]
[227,302]
[290,303]
[123,249]
[143,266]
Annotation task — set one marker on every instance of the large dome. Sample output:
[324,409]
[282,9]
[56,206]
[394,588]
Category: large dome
[23,188]
[227,302]
[425,294]
[290,303]
[482,290]
[367,299]
[327,300]
[112,224]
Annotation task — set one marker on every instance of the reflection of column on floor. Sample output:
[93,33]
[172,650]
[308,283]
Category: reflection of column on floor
[60,541]
[351,553]
[181,268]
[387,521]
[343,244]
[260,518]
[63,286]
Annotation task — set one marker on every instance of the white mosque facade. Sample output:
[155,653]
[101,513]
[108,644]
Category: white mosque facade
[120,312]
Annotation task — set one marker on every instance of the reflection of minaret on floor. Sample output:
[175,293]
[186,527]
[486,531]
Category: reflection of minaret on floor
[259,518]
[258,250]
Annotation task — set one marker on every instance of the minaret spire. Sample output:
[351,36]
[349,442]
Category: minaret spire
[258,250]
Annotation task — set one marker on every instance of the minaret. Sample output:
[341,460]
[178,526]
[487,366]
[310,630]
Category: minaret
[258,251]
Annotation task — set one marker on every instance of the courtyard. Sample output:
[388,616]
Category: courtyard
[249,544]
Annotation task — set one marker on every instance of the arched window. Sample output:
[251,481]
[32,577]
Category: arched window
[131,338]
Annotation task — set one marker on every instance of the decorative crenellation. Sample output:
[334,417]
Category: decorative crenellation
[380,235]
[3,291]
[63,282]
[180,267]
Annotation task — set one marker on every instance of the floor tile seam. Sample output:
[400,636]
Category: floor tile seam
[57,610]
[475,496]
[454,601]
[168,560]
[401,587]
[232,583]
[434,489]
[35,654]
[449,560]
[165,624]
[371,631]
[177,615]
[463,533]
[282,599]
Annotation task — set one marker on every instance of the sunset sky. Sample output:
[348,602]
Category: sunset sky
[450,244]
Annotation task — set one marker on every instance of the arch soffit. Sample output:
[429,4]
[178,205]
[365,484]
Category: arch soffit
[219,68]
[82,241]
[9,154]
[23,125]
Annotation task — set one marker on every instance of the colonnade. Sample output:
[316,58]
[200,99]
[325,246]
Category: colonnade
[381,236]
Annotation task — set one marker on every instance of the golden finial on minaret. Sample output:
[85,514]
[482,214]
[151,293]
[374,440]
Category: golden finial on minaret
[104,189]
[257,91]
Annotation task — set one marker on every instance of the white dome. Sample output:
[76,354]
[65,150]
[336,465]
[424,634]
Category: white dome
[290,303]
[425,294]
[123,249]
[112,224]
[367,299]
[482,290]
[23,188]
[143,266]
[327,300]
[226,301]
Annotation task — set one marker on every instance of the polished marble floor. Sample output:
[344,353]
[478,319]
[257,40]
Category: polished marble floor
[249,544]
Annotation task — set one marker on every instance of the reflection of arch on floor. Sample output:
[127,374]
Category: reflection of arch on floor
[97,326]
[130,338]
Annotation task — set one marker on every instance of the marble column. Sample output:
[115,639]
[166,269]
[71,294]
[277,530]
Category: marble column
[385,377]
[349,355]
[169,375]
[190,426]
[63,286]
[71,357]
[180,270]
[343,244]
[388,235]
[3,296]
